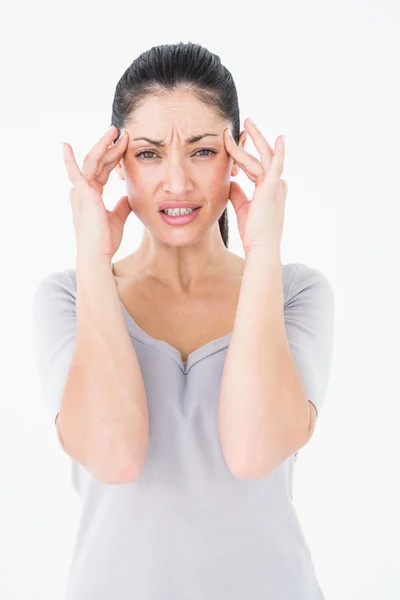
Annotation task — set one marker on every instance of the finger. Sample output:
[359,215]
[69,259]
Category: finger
[237,196]
[74,173]
[263,148]
[115,152]
[91,160]
[278,158]
[122,209]
[111,158]
[250,164]
[75,205]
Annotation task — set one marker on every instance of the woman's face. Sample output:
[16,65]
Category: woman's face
[197,171]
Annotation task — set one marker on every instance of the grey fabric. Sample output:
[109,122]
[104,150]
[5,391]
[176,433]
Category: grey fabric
[188,528]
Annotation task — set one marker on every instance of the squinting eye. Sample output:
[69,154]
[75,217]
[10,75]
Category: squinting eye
[150,152]
[145,152]
[206,150]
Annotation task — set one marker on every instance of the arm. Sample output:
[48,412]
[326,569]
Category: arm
[264,413]
[103,421]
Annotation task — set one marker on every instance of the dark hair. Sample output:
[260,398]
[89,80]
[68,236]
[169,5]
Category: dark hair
[168,67]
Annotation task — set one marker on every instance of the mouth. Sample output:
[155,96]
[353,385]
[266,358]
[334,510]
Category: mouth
[164,210]
[180,219]
[171,204]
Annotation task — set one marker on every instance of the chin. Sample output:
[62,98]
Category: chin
[179,240]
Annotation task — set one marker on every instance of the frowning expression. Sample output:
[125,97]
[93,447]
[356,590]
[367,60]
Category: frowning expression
[176,152]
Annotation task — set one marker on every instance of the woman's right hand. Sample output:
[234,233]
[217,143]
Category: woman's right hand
[98,231]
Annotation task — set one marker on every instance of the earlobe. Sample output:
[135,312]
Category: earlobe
[120,171]
[235,170]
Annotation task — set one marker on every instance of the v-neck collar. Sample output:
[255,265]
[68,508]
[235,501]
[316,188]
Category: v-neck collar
[140,335]
[206,350]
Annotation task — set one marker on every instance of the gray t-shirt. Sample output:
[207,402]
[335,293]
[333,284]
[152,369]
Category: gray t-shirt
[187,528]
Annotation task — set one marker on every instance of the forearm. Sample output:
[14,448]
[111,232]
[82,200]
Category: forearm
[104,416]
[263,410]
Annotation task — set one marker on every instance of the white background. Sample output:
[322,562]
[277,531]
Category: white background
[327,76]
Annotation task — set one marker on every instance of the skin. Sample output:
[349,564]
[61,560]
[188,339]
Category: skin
[183,259]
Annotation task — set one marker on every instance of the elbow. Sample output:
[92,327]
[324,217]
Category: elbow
[252,470]
[123,471]
[264,463]
[243,471]
[126,470]
[117,473]
[99,464]
[119,476]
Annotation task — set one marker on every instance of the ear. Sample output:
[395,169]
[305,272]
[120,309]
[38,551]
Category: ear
[241,143]
[120,171]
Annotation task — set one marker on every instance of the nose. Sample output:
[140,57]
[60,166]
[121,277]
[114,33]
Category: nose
[177,178]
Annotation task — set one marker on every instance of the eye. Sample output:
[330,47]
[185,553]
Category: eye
[206,150]
[145,152]
[150,152]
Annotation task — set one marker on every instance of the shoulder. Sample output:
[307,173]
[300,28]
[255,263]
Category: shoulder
[55,285]
[309,281]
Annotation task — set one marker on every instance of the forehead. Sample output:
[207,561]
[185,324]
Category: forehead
[175,109]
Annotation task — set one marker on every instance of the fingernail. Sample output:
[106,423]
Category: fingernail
[229,133]
[284,140]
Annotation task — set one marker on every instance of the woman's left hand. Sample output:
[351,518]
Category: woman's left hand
[260,221]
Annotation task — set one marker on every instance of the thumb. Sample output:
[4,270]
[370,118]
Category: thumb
[237,196]
[122,209]
[75,206]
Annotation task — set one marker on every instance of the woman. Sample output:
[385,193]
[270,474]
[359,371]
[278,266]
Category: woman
[185,378]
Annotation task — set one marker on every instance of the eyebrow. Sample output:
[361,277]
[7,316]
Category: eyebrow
[191,140]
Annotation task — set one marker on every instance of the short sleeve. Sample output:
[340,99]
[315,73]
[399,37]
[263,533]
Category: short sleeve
[309,323]
[54,334]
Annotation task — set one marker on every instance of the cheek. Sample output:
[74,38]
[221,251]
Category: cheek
[138,179]
[220,172]
[218,187]
[224,179]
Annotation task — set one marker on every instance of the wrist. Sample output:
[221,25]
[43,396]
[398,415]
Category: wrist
[93,265]
[264,252]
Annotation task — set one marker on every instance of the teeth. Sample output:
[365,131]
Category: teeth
[175,212]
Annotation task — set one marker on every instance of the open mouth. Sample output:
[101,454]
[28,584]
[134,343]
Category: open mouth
[180,219]
[183,215]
